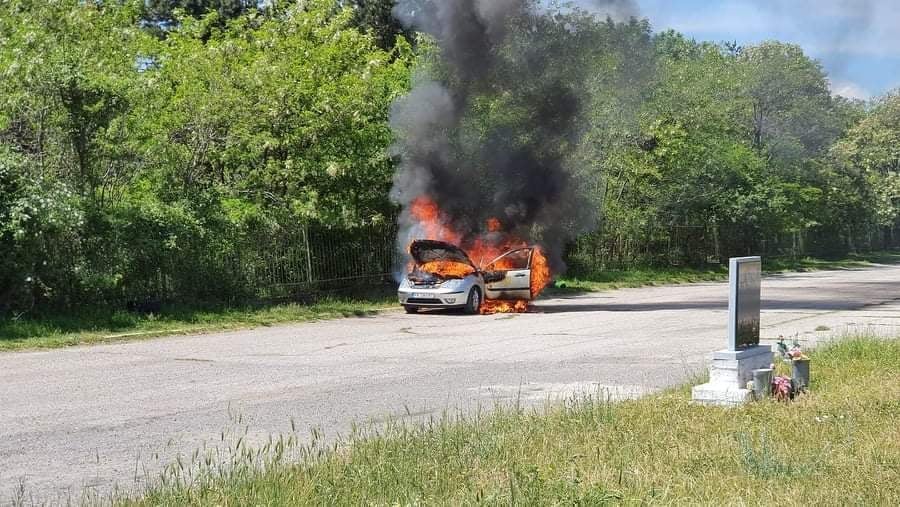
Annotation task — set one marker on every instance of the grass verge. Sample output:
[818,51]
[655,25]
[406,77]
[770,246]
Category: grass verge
[103,325]
[837,445]
[648,276]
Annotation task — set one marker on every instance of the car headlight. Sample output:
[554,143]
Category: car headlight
[451,284]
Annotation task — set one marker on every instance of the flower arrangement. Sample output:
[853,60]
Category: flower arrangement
[782,388]
[795,352]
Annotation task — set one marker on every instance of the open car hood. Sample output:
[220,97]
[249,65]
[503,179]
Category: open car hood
[424,251]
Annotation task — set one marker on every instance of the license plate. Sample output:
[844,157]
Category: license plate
[421,295]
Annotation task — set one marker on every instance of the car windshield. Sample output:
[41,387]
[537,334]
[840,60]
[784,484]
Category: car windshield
[512,261]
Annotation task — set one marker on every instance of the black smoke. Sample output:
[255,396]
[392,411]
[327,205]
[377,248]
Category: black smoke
[488,127]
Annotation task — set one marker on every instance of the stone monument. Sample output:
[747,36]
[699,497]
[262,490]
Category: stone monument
[732,368]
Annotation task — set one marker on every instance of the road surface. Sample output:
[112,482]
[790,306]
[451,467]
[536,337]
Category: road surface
[83,419]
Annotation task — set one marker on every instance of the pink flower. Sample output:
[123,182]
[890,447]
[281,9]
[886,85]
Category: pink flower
[781,388]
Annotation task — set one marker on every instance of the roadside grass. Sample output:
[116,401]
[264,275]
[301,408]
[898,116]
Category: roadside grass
[100,325]
[837,445]
[649,276]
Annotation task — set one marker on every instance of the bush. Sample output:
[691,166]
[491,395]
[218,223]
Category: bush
[37,217]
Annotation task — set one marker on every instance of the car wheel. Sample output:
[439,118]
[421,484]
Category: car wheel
[473,304]
[411,309]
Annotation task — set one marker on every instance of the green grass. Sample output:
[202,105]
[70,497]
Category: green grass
[649,276]
[837,445]
[107,325]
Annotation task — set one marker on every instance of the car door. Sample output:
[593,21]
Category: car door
[509,276]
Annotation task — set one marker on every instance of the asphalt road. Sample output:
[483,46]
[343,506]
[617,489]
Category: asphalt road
[86,418]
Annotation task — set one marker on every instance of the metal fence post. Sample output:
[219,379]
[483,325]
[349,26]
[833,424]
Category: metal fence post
[308,253]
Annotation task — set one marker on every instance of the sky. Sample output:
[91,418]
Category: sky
[857,41]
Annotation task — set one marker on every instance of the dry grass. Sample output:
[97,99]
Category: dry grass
[838,445]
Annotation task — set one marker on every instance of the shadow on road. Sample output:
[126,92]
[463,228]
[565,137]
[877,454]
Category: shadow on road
[808,305]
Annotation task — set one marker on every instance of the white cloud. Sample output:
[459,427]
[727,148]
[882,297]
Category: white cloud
[850,90]
[849,27]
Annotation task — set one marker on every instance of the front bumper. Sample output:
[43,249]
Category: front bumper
[431,298]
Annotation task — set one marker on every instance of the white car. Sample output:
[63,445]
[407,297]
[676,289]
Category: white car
[464,284]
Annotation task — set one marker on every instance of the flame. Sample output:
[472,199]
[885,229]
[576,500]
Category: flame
[492,306]
[448,269]
[540,272]
[540,278]
[433,225]
[428,215]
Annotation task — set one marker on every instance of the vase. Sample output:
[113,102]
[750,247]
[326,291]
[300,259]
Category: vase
[762,383]
[800,374]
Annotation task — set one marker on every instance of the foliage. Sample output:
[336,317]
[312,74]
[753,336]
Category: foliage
[375,17]
[35,214]
[872,149]
[136,167]
[730,144]
[161,16]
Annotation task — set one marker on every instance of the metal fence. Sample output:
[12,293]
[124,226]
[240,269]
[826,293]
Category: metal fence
[317,258]
[700,245]
[307,260]
[296,263]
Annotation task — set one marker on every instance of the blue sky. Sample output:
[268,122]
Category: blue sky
[857,41]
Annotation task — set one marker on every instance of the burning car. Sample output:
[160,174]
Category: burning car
[443,276]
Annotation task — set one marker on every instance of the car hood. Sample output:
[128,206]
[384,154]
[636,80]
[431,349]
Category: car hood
[424,251]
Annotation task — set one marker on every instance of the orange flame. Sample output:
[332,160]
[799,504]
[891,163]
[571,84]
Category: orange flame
[540,272]
[448,269]
[492,306]
[428,215]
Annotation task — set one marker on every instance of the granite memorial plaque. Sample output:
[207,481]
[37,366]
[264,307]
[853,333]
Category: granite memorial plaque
[743,304]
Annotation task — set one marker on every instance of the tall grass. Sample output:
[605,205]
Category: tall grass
[837,445]
[104,325]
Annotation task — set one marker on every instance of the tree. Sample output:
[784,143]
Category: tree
[290,114]
[872,149]
[163,14]
[376,18]
[70,75]
[791,110]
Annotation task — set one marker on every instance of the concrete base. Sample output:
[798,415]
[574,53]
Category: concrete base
[721,395]
[729,374]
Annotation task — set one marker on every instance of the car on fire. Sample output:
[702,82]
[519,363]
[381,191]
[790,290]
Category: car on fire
[443,276]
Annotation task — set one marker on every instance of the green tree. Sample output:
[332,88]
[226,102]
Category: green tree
[791,116]
[292,114]
[375,17]
[70,74]
[163,15]
[872,149]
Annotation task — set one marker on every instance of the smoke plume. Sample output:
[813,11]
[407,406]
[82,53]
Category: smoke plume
[487,127]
